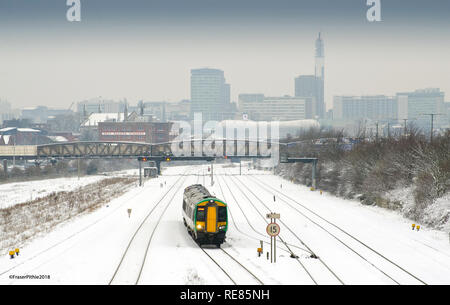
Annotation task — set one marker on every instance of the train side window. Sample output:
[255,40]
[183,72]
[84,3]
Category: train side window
[222,214]
[184,205]
[201,214]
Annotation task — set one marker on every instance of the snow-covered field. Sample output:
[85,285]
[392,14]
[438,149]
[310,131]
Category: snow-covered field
[355,244]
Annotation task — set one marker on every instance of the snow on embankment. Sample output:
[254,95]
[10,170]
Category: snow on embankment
[21,222]
[18,192]
[435,215]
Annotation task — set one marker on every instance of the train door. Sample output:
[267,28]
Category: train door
[211,219]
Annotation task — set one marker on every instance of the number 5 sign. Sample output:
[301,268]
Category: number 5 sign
[273,229]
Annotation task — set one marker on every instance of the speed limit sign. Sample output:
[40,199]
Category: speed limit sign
[273,229]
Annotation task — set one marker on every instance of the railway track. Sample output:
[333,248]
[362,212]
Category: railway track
[261,235]
[65,240]
[303,266]
[142,235]
[221,258]
[340,235]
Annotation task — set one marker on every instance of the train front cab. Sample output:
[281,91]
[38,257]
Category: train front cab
[211,222]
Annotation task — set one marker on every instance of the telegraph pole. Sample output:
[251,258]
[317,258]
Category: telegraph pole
[405,126]
[432,121]
[389,130]
[376,135]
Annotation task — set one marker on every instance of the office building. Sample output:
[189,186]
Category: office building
[372,107]
[257,107]
[210,95]
[416,107]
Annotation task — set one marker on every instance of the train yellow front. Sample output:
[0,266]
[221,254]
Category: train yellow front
[204,215]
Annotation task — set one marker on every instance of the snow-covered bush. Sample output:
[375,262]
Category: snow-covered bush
[372,170]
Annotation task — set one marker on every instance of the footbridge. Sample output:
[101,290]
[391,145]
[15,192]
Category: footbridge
[196,149]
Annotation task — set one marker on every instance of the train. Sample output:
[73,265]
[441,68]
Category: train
[204,215]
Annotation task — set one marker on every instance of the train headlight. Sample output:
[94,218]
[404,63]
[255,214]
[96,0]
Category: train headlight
[199,227]
[222,228]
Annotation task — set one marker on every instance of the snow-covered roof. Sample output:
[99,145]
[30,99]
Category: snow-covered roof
[19,129]
[7,129]
[27,130]
[96,118]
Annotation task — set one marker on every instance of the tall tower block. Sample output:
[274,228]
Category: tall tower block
[320,77]
[320,56]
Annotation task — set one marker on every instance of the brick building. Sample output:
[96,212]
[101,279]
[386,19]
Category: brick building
[146,132]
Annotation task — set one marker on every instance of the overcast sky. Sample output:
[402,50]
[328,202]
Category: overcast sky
[144,49]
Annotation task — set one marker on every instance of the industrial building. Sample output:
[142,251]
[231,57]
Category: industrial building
[145,132]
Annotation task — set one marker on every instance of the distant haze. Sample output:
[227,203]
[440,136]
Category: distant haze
[145,49]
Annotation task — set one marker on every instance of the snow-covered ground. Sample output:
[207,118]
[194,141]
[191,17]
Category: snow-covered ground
[343,234]
[19,192]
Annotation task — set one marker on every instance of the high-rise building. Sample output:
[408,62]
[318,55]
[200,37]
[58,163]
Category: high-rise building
[373,107]
[415,106]
[210,95]
[313,85]
[306,87]
[260,108]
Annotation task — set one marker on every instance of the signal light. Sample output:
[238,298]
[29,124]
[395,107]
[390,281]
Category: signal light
[145,159]
[167,159]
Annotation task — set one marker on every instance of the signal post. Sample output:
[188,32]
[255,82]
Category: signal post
[273,229]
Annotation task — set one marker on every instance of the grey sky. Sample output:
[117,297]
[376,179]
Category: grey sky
[145,49]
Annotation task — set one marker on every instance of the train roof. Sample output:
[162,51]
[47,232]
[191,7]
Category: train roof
[197,193]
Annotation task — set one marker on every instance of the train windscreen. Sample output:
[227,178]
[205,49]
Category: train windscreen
[222,214]
[201,214]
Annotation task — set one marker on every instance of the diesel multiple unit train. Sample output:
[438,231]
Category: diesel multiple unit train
[204,216]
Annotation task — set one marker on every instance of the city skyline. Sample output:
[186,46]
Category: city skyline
[119,51]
